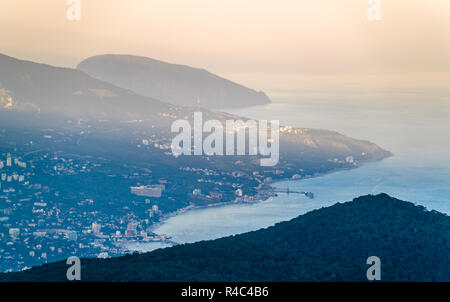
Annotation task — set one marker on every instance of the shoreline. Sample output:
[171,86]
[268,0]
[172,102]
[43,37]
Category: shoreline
[262,195]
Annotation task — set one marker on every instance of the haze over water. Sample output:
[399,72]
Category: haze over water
[414,126]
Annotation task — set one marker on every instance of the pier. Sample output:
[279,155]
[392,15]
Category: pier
[310,195]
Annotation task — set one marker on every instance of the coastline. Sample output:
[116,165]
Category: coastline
[262,195]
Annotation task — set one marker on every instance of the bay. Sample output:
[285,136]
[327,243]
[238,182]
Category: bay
[414,126]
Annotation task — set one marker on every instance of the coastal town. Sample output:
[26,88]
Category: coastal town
[53,224]
[69,188]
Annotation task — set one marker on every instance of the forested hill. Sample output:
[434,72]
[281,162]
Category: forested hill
[330,244]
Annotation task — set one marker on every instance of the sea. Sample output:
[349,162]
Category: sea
[414,126]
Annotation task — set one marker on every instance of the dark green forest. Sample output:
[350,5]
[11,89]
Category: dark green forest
[329,244]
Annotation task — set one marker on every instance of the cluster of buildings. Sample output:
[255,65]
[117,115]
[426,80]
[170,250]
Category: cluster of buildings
[39,223]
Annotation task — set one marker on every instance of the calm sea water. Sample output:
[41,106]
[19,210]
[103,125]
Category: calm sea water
[414,126]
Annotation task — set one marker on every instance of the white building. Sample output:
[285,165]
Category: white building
[148,191]
[96,228]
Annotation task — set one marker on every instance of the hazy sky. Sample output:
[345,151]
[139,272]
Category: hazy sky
[239,38]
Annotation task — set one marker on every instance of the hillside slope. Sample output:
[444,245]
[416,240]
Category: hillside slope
[176,84]
[64,92]
[330,244]
[45,88]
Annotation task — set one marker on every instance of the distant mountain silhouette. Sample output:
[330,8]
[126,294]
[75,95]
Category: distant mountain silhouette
[65,92]
[29,86]
[330,244]
[26,85]
[176,84]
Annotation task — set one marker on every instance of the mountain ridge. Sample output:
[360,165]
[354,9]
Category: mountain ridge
[158,79]
[66,90]
[328,244]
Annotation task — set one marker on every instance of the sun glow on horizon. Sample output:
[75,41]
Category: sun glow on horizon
[262,37]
